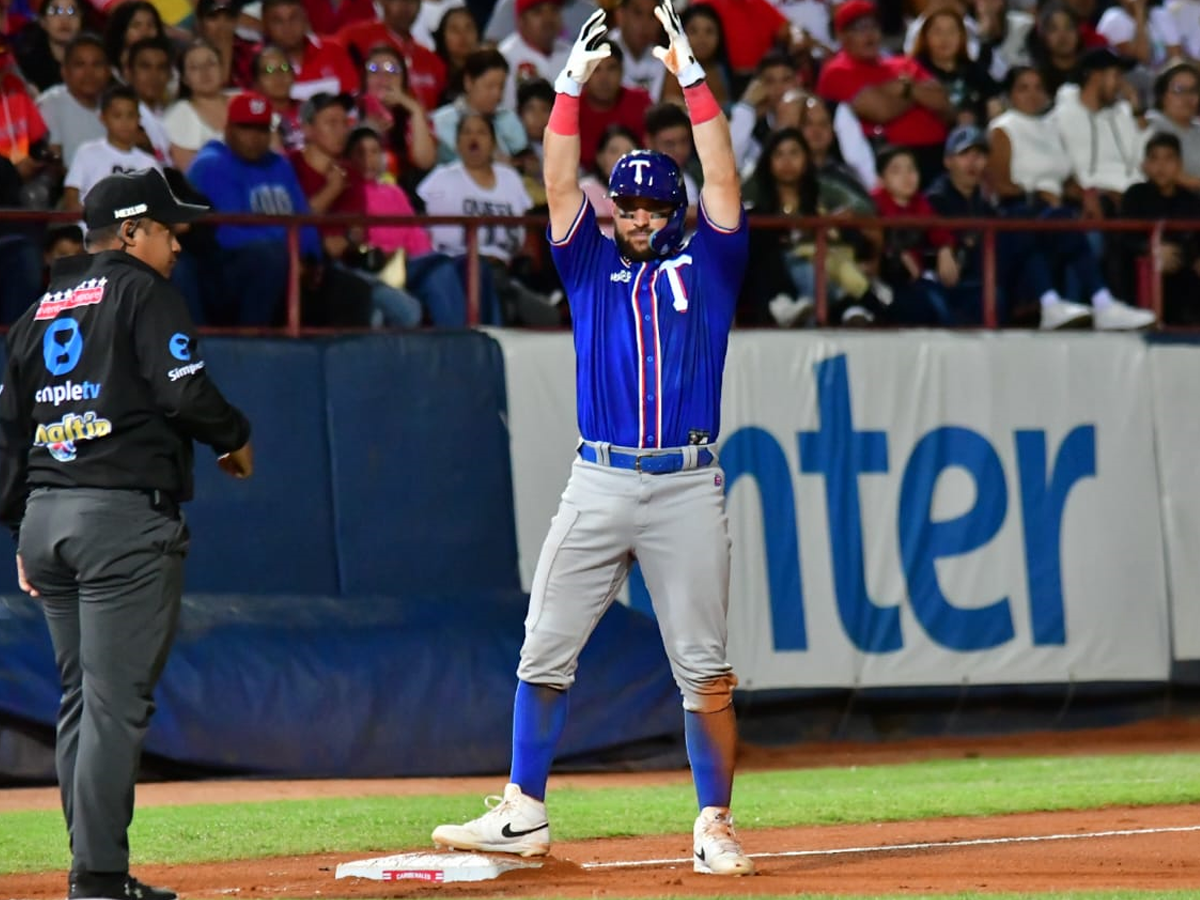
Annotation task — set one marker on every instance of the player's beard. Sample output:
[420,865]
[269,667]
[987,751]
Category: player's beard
[630,252]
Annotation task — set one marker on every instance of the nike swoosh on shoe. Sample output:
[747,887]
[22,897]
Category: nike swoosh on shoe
[508,832]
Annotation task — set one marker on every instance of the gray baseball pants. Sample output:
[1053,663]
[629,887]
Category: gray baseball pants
[675,526]
[108,566]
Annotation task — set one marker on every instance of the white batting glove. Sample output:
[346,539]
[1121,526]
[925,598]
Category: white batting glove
[590,47]
[677,56]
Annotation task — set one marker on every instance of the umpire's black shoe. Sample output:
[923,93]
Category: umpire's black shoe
[91,886]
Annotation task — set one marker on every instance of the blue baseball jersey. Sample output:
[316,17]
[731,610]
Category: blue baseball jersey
[650,337]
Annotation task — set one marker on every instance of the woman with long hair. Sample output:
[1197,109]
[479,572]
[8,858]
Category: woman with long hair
[129,23]
[707,37]
[816,124]
[1055,46]
[388,106]
[456,38]
[780,283]
[42,43]
[941,47]
[198,116]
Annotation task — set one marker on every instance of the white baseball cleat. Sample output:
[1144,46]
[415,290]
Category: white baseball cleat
[717,850]
[514,823]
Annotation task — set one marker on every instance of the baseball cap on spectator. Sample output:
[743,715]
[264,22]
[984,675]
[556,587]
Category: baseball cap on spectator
[136,195]
[526,5]
[323,100]
[251,109]
[964,138]
[1105,58]
[850,12]
[207,8]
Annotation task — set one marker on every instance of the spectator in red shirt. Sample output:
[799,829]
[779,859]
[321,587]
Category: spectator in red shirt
[322,174]
[328,17]
[917,262]
[390,107]
[24,137]
[897,101]
[752,27]
[426,72]
[319,66]
[606,102]
[456,38]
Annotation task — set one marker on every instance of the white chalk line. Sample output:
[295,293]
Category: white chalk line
[891,848]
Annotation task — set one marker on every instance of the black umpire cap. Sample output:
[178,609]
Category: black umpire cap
[136,195]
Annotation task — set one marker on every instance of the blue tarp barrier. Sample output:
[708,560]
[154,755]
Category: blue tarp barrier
[360,687]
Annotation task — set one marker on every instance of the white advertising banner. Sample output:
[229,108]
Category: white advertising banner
[911,508]
[1175,372]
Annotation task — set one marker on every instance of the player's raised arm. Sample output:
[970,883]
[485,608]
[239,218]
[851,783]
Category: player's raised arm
[722,191]
[560,146]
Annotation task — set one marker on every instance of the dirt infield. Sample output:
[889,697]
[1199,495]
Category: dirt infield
[1147,847]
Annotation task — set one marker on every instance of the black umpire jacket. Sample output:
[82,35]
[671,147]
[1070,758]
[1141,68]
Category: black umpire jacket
[105,387]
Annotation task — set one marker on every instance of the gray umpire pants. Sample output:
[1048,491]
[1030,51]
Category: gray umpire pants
[108,565]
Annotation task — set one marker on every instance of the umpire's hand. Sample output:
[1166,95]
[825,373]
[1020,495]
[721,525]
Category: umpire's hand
[238,463]
[22,581]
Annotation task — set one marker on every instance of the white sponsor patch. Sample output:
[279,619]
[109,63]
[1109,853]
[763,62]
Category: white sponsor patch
[184,371]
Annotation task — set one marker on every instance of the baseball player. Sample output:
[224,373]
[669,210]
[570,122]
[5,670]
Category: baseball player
[104,392]
[652,313]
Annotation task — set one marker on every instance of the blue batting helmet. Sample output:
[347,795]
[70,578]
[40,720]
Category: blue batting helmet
[654,176]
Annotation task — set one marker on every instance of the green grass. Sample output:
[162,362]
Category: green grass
[35,841]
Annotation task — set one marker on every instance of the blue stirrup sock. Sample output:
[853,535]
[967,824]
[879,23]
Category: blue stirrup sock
[539,716]
[711,748]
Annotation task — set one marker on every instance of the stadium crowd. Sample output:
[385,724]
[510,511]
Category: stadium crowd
[1054,109]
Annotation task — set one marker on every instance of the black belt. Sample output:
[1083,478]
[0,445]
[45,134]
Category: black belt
[651,462]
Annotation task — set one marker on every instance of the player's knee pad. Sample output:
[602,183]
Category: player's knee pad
[709,696]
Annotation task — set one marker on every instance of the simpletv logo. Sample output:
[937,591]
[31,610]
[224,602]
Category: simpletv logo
[58,394]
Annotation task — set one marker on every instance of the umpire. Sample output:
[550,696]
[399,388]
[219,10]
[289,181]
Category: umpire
[103,395]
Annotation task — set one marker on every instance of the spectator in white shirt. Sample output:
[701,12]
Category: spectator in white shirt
[70,109]
[535,49]
[148,69]
[1185,14]
[1141,30]
[199,115]
[637,33]
[476,185]
[117,151]
[1103,139]
[503,18]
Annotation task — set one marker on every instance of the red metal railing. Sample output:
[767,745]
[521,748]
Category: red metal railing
[818,226]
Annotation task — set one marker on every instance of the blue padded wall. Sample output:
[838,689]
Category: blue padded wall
[421,468]
[272,533]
